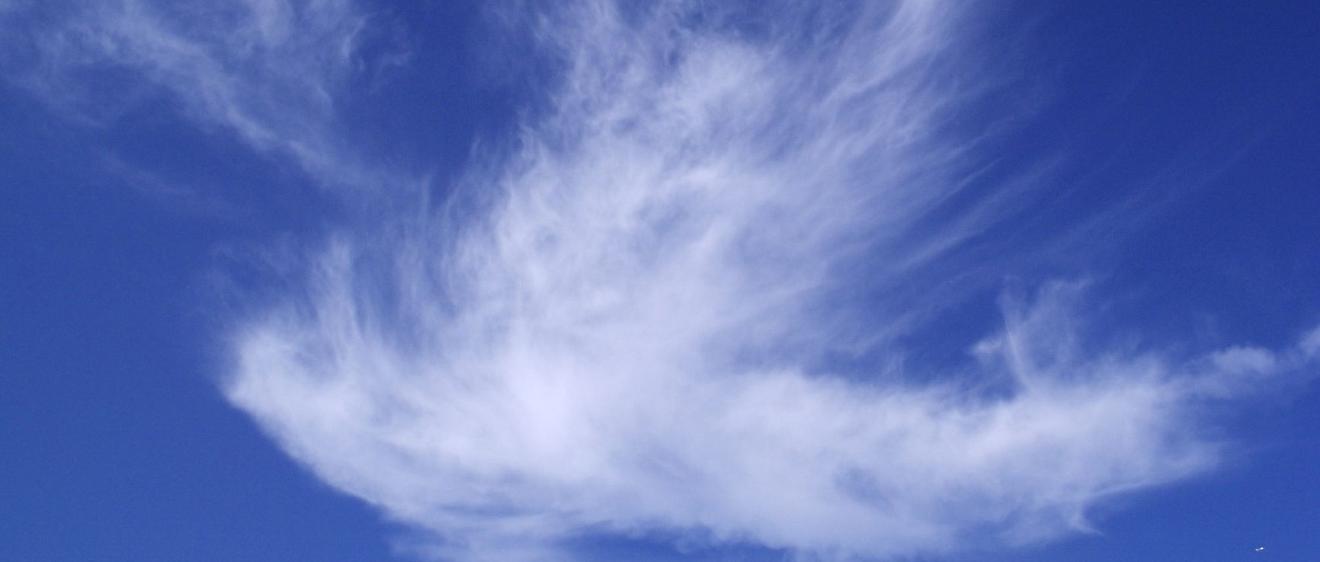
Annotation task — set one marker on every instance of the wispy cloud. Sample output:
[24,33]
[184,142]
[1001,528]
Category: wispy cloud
[272,72]
[622,321]
[627,339]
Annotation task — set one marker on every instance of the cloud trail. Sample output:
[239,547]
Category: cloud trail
[271,72]
[627,337]
[622,321]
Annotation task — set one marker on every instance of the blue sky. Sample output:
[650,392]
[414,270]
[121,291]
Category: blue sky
[374,281]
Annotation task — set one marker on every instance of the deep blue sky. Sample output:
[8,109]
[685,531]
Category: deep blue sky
[115,443]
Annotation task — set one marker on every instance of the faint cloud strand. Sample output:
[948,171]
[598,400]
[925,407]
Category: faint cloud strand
[270,71]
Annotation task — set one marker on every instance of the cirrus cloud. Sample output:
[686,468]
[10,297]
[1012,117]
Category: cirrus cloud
[621,325]
[672,303]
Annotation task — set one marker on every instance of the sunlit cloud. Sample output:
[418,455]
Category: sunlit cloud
[624,336]
[621,319]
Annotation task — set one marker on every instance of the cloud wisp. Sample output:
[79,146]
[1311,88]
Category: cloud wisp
[623,320]
[616,327]
[273,73]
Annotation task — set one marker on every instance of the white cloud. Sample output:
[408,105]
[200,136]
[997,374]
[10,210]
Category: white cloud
[621,324]
[627,337]
[1310,344]
[1242,359]
[272,72]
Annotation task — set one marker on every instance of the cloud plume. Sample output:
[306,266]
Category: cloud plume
[622,322]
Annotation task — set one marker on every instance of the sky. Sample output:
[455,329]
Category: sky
[346,280]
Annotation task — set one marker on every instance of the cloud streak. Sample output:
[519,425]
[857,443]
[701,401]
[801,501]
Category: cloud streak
[274,73]
[625,320]
[628,338]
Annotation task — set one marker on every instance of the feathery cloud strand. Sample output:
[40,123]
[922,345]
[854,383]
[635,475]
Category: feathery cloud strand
[619,324]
